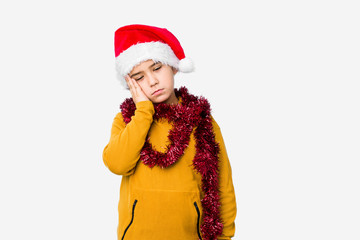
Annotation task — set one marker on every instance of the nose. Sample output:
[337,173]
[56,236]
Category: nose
[153,80]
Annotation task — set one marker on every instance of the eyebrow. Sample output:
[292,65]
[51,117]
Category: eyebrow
[133,75]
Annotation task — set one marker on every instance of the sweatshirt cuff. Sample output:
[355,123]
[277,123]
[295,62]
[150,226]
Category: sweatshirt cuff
[146,106]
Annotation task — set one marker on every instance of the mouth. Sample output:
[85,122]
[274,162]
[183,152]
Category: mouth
[157,91]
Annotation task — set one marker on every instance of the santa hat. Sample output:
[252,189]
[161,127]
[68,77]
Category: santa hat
[137,43]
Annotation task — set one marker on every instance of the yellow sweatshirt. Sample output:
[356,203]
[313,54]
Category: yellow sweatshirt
[162,203]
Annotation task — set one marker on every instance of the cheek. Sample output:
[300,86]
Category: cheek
[169,78]
[145,88]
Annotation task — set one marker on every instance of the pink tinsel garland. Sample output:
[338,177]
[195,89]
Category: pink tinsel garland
[192,112]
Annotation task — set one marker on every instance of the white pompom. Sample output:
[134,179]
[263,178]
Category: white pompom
[186,65]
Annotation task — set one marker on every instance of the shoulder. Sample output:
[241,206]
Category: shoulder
[214,123]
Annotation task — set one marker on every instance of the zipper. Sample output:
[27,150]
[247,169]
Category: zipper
[198,220]
[132,219]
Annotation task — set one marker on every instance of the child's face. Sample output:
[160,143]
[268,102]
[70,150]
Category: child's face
[156,80]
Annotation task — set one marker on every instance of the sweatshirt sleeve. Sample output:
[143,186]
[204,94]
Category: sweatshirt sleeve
[226,187]
[122,152]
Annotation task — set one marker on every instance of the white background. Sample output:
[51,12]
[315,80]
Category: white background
[282,78]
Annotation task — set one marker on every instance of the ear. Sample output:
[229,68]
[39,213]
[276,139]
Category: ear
[174,70]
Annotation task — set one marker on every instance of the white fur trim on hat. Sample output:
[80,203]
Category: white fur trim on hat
[186,65]
[136,54]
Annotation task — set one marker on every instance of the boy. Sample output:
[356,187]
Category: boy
[176,176]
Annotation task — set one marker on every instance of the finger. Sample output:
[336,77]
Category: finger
[136,87]
[135,84]
[131,86]
[127,79]
[139,88]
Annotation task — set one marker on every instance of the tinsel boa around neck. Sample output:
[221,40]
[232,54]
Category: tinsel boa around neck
[192,112]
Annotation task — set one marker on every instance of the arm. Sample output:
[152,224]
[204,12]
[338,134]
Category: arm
[226,187]
[122,152]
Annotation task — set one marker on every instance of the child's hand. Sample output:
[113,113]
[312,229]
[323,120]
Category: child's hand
[137,93]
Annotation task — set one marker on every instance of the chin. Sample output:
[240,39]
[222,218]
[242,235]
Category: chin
[160,99]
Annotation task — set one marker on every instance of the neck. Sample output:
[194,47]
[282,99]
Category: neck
[172,99]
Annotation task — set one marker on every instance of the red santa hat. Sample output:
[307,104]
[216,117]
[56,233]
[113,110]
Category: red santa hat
[137,43]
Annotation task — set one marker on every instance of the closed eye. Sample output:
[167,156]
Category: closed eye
[157,68]
[139,78]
